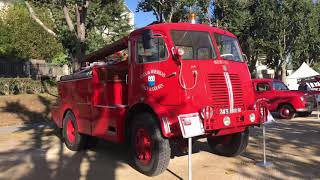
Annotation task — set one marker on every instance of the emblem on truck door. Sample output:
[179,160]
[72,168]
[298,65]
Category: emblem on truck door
[150,77]
[151,81]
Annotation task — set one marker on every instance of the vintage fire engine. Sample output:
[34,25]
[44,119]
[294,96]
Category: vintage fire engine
[172,69]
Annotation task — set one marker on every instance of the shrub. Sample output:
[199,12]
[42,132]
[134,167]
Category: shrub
[12,86]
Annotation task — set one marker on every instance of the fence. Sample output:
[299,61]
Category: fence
[33,68]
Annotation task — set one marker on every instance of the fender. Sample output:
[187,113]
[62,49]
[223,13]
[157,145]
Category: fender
[164,117]
[63,111]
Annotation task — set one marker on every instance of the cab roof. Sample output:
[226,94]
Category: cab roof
[167,27]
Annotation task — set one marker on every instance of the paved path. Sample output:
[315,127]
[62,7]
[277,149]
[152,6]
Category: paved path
[35,152]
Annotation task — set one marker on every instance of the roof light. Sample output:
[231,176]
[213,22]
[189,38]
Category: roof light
[192,18]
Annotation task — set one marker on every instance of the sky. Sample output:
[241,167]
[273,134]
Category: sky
[140,18]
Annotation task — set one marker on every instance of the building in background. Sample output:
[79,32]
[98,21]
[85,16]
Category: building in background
[130,16]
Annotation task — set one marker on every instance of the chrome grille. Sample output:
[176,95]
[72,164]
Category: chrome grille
[219,92]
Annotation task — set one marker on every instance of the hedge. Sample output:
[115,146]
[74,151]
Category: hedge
[12,86]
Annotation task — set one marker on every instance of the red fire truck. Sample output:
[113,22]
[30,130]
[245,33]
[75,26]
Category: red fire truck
[172,69]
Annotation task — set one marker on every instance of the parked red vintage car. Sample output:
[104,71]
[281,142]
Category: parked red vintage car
[282,100]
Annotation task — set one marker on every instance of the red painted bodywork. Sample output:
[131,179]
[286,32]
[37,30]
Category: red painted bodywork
[102,101]
[299,100]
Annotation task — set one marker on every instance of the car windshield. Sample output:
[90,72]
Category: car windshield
[228,47]
[279,86]
[196,44]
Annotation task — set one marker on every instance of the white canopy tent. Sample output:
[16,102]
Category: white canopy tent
[302,72]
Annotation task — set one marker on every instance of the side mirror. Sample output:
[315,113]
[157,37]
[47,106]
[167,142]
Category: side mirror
[177,53]
[147,39]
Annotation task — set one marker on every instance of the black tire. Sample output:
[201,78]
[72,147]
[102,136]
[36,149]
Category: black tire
[304,114]
[80,140]
[159,151]
[286,111]
[57,130]
[229,145]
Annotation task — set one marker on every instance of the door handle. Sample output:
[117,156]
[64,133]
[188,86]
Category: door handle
[171,75]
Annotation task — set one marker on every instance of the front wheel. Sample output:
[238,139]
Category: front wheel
[286,111]
[229,145]
[150,152]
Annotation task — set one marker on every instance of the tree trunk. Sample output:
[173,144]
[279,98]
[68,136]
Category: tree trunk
[35,17]
[68,18]
[283,70]
[252,65]
[81,13]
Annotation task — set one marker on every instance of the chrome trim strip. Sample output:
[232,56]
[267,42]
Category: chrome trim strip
[230,91]
[75,79]
[83,103]
[112,106]
[302,110]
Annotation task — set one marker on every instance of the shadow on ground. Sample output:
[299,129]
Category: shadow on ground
[47,158]
[292,146]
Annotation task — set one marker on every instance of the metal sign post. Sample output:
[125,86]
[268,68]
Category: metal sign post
[191,126]
[264,163]
[189,158]
[269,119]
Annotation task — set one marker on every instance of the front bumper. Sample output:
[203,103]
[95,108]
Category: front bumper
[308,107]
[241,119]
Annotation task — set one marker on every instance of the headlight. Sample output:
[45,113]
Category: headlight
[226,121]
[302,98]
[252,117]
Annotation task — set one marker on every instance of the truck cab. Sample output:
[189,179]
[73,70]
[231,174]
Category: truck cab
[175,74]
[282,100]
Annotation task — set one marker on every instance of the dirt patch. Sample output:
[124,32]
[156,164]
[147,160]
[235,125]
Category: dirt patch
[25,108]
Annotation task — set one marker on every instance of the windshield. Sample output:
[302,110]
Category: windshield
[196,44]
[228,47]
[279,86]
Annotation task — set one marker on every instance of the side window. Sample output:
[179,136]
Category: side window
[157,53]
[263,87]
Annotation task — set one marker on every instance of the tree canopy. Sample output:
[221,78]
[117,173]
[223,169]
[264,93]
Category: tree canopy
[176,10]
[283,31]
[81,26]
[21,37]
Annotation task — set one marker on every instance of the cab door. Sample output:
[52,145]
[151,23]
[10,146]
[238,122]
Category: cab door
[153,73]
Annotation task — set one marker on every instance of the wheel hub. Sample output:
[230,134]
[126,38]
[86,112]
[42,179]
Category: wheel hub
[70,131]
[285,112]
[143,146]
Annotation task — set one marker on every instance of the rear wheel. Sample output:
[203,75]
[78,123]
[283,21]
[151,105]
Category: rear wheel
[72,138]
[150,152]
[286,111]
[229,145]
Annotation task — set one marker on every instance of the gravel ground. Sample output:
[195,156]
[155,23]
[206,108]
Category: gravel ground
[35,152]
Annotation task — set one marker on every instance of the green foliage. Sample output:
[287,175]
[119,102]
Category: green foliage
[316,66]
[60,59]
[284,31]
[104,22]
[23,38]
[176,10]
[11,86]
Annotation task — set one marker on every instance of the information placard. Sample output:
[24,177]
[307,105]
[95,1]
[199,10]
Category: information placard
[191,125]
